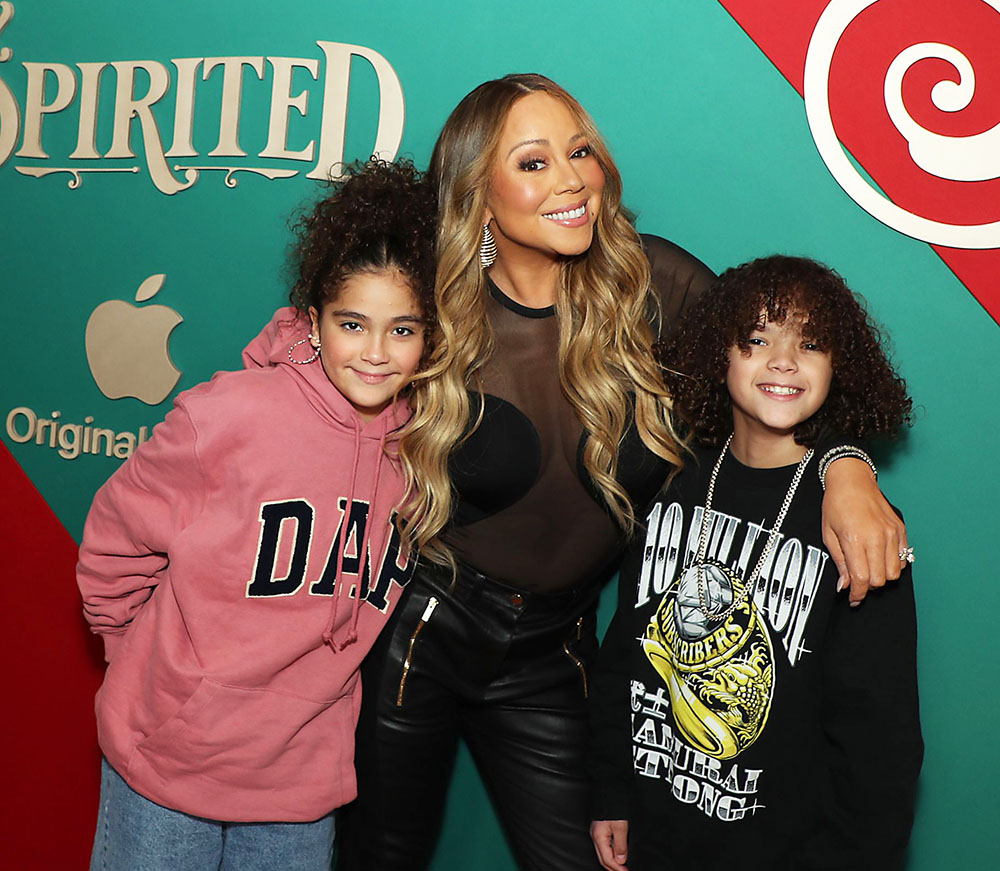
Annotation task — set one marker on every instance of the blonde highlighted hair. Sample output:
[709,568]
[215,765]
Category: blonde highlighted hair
[604,307]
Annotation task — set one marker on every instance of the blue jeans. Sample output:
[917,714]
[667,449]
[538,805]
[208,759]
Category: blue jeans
[135,834]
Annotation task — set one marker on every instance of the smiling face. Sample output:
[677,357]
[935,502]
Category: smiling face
[779,381]
[546,187]
[372,339]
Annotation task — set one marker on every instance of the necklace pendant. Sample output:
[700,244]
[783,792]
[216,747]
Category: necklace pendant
[705,592]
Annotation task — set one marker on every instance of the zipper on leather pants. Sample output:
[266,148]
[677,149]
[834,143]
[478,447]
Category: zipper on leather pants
[432,603]
[569,653]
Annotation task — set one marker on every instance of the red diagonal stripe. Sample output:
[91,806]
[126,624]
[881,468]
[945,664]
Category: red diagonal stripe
[782,30]
[53,667]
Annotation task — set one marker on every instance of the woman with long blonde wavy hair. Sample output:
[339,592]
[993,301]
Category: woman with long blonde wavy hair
[541,428]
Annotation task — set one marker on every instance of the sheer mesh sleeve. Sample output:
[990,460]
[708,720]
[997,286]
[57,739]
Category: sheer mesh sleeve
[678,278]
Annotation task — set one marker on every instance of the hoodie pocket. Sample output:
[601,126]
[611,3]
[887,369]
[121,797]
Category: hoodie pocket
[225,732]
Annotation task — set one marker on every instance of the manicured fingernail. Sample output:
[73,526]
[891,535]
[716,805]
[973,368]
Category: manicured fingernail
[841,583]
[855,604]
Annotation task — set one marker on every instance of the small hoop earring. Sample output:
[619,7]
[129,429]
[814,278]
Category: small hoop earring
[487,248]
[316,350]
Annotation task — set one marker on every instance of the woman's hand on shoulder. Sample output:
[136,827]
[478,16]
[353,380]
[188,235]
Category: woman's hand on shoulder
[860,528]
[610,839]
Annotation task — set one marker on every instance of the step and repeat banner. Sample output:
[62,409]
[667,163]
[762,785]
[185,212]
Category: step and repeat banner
[153,155]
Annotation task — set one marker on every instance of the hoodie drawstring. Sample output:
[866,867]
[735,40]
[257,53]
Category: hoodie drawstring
[338,583]
[352,634]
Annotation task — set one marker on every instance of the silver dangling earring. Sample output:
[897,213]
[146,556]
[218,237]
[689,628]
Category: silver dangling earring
[487,248]
[315,346]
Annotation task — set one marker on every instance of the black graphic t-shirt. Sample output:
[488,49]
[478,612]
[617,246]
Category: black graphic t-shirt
[783,735]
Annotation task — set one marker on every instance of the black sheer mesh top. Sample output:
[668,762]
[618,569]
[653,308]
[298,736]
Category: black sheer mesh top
[527,513]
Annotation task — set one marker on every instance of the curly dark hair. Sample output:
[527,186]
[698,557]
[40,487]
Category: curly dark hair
[867,397]
[377,216]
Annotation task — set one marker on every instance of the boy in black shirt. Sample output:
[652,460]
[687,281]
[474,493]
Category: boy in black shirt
[738,695]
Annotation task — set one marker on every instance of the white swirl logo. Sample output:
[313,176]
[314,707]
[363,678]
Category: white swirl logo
[958,158]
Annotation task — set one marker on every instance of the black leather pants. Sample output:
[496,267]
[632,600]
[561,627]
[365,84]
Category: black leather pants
[507,671]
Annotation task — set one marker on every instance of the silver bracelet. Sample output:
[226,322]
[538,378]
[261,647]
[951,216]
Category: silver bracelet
[839,453]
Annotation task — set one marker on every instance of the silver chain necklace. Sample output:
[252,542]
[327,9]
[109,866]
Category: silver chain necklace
[771,539]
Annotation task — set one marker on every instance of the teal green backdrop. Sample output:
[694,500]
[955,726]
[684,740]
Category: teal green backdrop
[716,155]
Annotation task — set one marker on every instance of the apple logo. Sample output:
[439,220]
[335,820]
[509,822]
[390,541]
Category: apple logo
[127,346]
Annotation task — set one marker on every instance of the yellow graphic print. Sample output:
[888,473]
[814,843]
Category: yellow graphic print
[719,673]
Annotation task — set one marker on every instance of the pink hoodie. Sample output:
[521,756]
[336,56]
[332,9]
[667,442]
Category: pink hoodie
[216,566]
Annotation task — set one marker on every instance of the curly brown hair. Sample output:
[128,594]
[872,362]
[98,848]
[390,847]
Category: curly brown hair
[377,216]
[867,397]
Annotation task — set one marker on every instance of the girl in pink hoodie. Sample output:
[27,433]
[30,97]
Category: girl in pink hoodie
[240,565]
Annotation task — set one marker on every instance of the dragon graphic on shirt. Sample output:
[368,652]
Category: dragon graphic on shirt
[719,672]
